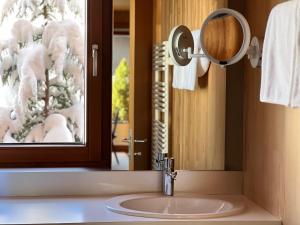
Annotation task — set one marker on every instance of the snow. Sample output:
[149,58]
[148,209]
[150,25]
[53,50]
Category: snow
[8,96]
[22,31]
[33,59]
[8,139]
[13,46]
[56,129]
[36,135]
[51,31]
[25,4]
[75,39]
[61,5]
[76,114]
[31,68]
[67,29]
[77,73]
[10,44]
[5,7]
[27,89]
[7,62]
[60,51]
[57,50]
[7,124]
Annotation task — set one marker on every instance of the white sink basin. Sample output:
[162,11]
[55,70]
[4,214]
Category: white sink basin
[182,206]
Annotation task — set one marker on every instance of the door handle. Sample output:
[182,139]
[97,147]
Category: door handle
[126,140]
[135,141]
[95,60]
[136,154]
[140,141]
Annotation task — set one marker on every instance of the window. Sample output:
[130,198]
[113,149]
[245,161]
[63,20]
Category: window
[54,106]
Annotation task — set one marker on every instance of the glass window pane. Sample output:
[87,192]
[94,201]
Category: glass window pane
[42,71]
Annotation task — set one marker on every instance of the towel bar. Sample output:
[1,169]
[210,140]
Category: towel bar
[160,103]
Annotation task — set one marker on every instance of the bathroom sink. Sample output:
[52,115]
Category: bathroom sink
[181,206]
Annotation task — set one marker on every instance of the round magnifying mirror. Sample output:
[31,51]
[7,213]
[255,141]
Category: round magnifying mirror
[225,36]
[180,39]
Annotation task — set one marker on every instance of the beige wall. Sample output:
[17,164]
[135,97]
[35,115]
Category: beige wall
[272,138]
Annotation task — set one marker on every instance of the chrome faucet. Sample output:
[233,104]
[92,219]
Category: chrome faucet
[169,175]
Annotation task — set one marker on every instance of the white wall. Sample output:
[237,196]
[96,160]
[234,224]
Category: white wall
[121,48]
[65,182]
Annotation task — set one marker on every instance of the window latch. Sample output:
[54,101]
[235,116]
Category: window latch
[95,59]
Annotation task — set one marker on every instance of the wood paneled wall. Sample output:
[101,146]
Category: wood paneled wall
[140,79]
[198,117]
[234,107]
[272,138]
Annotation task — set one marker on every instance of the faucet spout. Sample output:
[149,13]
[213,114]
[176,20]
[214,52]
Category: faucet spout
[169,176]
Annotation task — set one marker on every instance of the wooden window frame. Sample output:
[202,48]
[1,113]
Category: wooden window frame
[121,22]
[97,151]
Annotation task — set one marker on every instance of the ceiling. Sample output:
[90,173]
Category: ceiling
[121,5]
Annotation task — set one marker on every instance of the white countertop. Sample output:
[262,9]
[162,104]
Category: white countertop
[92,210]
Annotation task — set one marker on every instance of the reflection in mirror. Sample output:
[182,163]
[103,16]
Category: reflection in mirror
[189,125]
[223,37]
[120,85]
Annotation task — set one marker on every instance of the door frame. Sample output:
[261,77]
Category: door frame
[140,80]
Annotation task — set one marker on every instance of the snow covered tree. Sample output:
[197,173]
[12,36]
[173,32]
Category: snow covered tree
[42,85]
[120,92]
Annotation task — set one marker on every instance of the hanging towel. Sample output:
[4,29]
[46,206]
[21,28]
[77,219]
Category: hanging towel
[185,77]
[280,82]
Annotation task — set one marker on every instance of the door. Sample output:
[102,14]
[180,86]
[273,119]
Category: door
[140,77]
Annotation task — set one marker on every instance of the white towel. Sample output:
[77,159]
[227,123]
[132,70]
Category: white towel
[280,82]
[185,77]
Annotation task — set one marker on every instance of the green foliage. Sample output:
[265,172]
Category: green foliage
[120,92]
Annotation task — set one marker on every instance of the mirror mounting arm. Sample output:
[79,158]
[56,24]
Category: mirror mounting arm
[255,52]
[192,55]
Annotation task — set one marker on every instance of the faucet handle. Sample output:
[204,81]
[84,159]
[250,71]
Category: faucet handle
[160,158]
[169,175]
[169,164]
[169,167]
[173,175]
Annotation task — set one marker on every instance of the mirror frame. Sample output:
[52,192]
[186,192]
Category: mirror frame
[180,35]
[246,33]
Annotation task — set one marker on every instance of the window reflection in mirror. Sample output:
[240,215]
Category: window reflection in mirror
[120,85]
[132,84]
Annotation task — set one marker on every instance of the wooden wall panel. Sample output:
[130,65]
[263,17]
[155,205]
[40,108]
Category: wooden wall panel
[272,146]
[234,107]
[140,79]
[198,118]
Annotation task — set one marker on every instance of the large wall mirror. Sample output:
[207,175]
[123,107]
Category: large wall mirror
[201,129]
